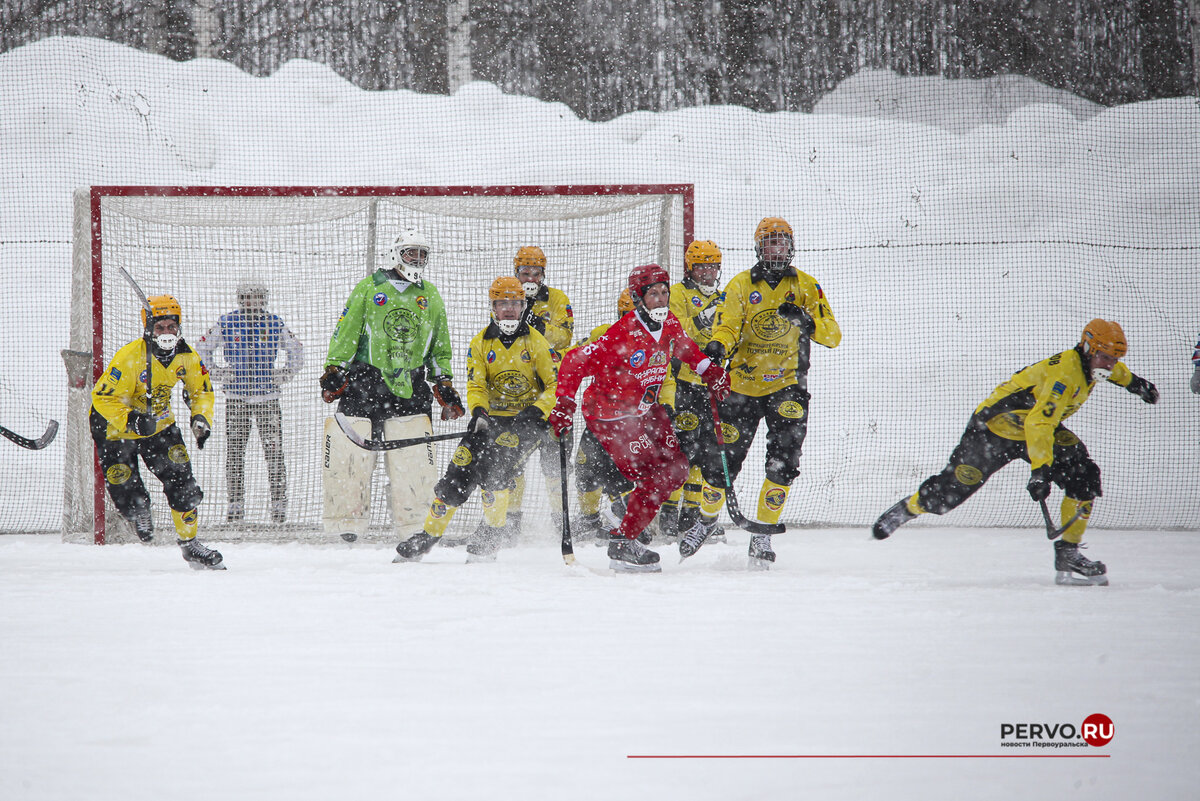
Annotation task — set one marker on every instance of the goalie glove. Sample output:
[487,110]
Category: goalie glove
[333,383]
[1039,483]
[201,430]
[1143,389]
[447,398]
[799,317]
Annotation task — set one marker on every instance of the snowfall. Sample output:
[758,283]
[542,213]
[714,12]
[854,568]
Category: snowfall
[852,669]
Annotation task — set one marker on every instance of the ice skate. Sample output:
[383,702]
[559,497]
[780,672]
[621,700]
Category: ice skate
[199,557]
[1075,569]
[630,556]
[143,526]
[278,511]
[760,554]
[413,548]
[349,536]
[891,520]
[484,543]
[695,538]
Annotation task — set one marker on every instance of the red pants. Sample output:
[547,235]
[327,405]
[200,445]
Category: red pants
[647,453]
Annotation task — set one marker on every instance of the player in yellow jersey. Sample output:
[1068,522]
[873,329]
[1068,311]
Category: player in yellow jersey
[1022,419]
[695,301]
[548,310]
[770,315]
[511,378]
[126,424]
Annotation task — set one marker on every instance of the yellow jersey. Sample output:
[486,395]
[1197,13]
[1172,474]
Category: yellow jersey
[505,379]
[122,388]
[687,303]
[1031,404]
[764,349]
[553,306]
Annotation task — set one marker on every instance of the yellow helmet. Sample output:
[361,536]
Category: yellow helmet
[1104,336]
[162,306]
[506,287]
[702,251]
[773,228]
[529,256]
[624,303]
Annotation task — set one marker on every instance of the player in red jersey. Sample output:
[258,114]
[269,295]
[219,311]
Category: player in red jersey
[628,365]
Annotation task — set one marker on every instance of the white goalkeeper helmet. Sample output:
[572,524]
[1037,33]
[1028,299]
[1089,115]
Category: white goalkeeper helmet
[252,297]
[409,255]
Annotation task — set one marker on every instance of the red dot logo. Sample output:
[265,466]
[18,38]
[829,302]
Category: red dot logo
[1097,729]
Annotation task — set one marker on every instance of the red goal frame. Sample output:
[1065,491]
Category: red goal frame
[685,191]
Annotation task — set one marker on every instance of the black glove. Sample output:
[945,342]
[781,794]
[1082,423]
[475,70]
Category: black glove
[1039,483]
[200,430]
[715,351]
[533,319]
[447,397]
[798,317]
[333,383]
[1143,389]
[529,415]
[480,420]
[141,423]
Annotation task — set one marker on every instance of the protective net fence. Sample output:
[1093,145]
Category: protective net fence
[961,230]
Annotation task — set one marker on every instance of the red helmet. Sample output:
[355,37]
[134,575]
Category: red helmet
[646,276]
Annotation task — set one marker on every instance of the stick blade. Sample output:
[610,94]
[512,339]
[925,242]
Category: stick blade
[33,444]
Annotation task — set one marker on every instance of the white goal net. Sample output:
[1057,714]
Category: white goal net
[308,247]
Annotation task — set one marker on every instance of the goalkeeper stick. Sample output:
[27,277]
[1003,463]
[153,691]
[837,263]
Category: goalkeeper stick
[388,444]
[735,514]
[33,444]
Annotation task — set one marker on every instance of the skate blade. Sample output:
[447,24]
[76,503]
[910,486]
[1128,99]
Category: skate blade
[480,558]
[400,560]
[756,564]
[624,567]
[1068,579]
[202,566]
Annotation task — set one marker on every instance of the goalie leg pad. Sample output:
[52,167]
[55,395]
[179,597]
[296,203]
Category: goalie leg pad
[346,479]
[412,472]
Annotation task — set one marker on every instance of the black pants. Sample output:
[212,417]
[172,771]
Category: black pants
[165,455]
[694,424]
[980,453]
[786,414]
[488,459]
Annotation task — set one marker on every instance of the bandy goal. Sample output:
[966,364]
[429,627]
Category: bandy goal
[309,246]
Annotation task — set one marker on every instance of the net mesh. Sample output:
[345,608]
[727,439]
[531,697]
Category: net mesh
[309,250]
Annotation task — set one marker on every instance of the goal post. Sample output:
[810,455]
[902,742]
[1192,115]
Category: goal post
[309,246]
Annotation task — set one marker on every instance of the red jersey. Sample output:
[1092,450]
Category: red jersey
[628,365]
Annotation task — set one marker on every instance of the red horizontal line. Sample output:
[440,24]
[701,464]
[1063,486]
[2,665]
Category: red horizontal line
[867,756]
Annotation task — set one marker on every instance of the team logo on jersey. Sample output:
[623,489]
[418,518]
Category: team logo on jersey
[774,375]
[422,302]
[790,297]
[756,297]
[380,298]
[820,292]
[401,325]
[968,475]
[775,498]
[115,373]
[637,359]
[178,454]
[181,372]
[525,357]
[491,356]
[730,433]
[462,456]
[696,301]
[686,421]
[711,496]
[640,444]
[437,508]
[508,440]
[144,377]
[1065,438]
[512,383]
[570,312]
[769,326]
[791,410]
[118,474]
[658,359]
